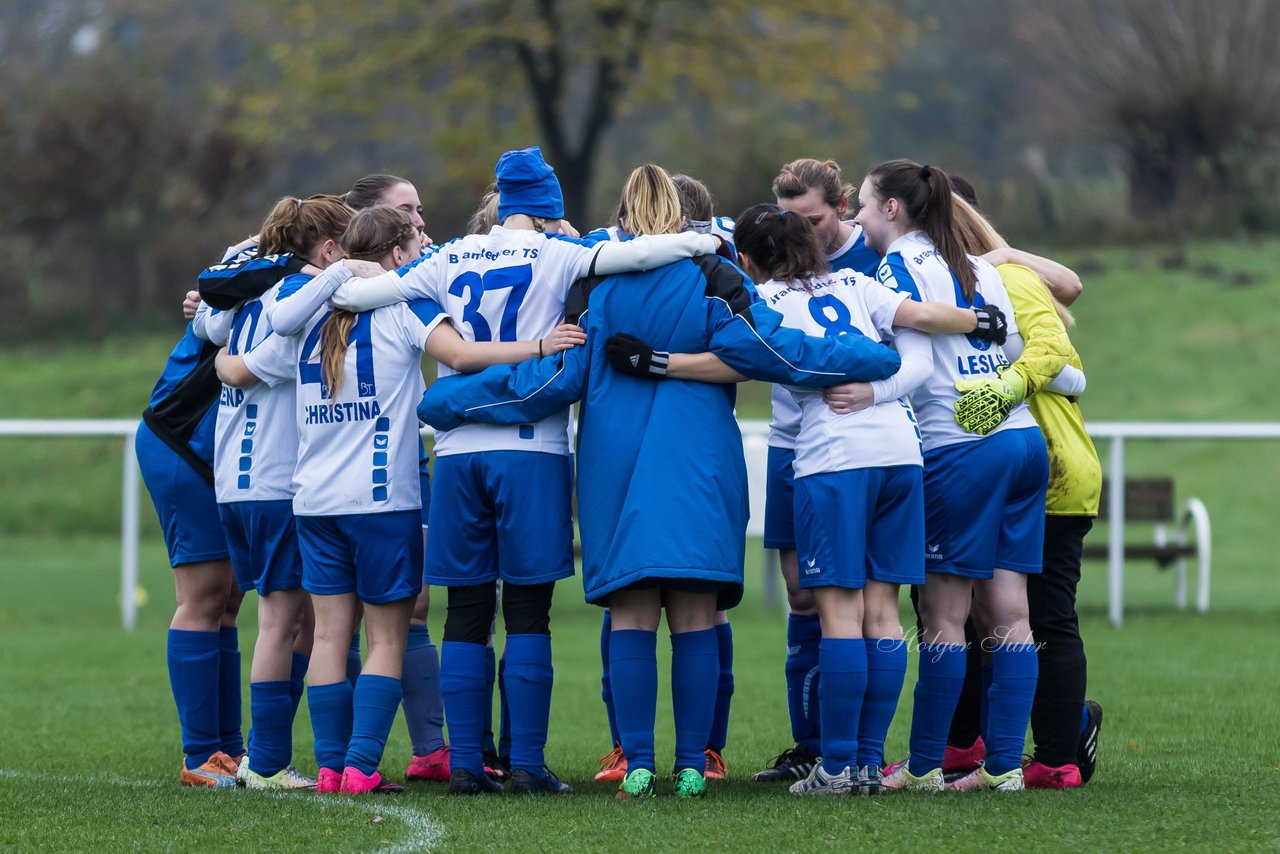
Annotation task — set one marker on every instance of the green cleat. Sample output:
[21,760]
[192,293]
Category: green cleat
[690,784]
[901,778]
[637,784]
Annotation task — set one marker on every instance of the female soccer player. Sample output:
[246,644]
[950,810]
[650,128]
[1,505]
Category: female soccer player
[859,488]
[661,480]
[503,286]
[1048,375]
[254,459]
[175,444]
[812,189]
[984,496]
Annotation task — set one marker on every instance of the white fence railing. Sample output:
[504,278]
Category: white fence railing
[755,436]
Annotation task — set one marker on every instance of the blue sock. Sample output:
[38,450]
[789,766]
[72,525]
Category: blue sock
[353,660]
[937,692]
[886,670]
[271,713]
[193,676]
[504,709]
[423,707]
[695,666]
[633,670]
[984,707]
[463,686]
[490,679]
[843,662]
[803,634]
[527,675]
[374,703]
[606,686]
[230,710]
[298,679]
[1014,669]
[331,716]
[724,691]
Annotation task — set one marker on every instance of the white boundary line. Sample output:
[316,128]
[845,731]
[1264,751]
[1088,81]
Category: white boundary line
[426,833]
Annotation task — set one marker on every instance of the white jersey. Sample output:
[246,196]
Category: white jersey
[357,453]
[256,438]
[507,285]
[915,267]
[784,423]
[845,303]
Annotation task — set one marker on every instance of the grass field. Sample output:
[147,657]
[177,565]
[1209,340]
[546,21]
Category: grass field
[1190,756]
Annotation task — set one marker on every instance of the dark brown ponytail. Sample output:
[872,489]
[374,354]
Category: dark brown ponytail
[783,245]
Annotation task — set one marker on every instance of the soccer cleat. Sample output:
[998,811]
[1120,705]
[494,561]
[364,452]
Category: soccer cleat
[819,782]
[354,782]
[534,783]
[788,766]
[1087,751]
[869,779]
[218,772]
[638,784]
[901,779]
[613,766]
[497,767]
[328,782]
[433,768]
[716,766]
[980,781]
[690,784]
[962,760]
[285,778]
[464,782]
[1037,775]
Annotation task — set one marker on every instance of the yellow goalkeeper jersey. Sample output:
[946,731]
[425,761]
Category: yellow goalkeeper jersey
[1075,475]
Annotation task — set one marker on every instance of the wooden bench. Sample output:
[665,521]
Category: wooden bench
[1178,535]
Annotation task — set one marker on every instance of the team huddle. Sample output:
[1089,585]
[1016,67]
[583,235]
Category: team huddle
[918,363]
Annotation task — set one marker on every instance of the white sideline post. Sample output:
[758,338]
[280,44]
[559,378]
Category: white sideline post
[1115,534]
[129,536]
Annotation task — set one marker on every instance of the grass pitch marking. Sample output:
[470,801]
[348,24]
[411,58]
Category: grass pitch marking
[425,831]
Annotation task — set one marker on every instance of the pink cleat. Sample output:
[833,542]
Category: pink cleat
[328,782]
[1037,775]
[356,783]
[433,768]
[962,760]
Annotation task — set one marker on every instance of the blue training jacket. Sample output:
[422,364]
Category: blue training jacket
[662,485]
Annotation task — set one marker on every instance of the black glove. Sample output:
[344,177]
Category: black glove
[992,325]
[629,355]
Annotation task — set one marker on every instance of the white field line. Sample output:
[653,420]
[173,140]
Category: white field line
[425,831]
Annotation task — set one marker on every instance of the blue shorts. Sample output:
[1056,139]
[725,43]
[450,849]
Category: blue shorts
[780,500]
[984,504]
[860,524]
[378,556]
[500,515]
[185,502]
[262,537]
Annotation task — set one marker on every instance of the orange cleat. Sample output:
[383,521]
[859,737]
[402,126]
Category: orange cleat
[716,767]
[219,772]
[613,766]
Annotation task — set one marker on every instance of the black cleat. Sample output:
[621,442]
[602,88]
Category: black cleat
[788,766]
[497,767]
[1087,750]
[464,782]
[533,783]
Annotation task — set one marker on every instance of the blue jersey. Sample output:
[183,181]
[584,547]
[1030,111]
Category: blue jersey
[181,411]
[662,489]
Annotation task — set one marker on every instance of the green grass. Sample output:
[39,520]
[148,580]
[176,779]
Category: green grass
[1190,753]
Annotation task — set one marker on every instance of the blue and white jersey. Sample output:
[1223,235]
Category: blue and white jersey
[885,434]
[507,285]
[605,234]
[913,266]
[357,453]
[853,254]
[256,447]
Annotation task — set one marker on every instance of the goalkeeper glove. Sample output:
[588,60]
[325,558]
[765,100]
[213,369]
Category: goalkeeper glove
[992,325]
[630,355]
[985,404]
